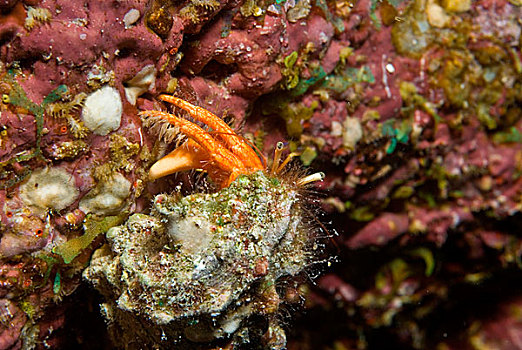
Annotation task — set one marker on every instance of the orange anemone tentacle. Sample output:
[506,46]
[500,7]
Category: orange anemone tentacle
[223,158]
[234,142]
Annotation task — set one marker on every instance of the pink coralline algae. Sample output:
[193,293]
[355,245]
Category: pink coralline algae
[411,108]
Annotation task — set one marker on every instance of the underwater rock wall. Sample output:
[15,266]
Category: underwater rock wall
[411,108]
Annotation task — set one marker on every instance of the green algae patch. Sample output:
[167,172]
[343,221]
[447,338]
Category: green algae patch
[411,97]
[512,135]
[398,134]
[404,192]
[349,77]
[294,114]
[478,81]
[17,97]
[362,214]
[93,228]
[308,155]
[335,21]
[317,75]
[26,306]
[413,35]
[387,11]
[426,255]
[290,71]
[57,284]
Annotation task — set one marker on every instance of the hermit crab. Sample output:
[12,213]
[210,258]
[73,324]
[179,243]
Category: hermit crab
[209,267]
[222,153]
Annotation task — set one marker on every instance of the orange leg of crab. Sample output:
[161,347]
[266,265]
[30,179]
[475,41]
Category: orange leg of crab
[222,156]
[190,156]
[187,156]
[234,142]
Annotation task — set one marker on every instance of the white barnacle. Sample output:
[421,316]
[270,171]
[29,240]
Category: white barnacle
[49,188]
[102,110]
[141,83]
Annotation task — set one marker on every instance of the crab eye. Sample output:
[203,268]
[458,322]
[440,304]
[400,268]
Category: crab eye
[5,98]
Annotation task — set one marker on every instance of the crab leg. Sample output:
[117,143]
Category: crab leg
[235,143]
[187,156]
[222,156]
